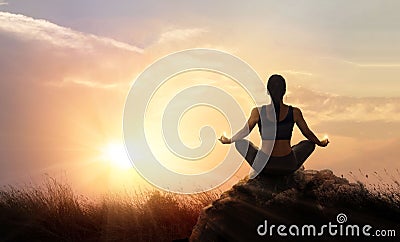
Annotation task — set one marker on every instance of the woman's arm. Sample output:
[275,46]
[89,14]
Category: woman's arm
[305,130]
[251,123]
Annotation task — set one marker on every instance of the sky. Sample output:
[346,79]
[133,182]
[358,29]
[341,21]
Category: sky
[67,66]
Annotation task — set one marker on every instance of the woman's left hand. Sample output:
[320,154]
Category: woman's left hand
[225,140]
[324,142]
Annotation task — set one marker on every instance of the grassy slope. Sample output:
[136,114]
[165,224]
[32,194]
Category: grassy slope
[54,213]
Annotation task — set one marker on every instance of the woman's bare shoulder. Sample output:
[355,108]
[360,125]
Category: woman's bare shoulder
[295,108]
[296,112]
[255,114]
[255,111]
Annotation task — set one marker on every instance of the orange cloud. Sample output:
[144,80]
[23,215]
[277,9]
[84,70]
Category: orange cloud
[180,34]
[40,29]
[328,107]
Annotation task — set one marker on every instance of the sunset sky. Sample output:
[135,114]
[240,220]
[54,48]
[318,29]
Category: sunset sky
[66,68]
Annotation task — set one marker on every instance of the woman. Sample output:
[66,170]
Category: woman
[284,158]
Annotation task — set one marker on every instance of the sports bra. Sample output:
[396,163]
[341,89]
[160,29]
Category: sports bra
[284,128]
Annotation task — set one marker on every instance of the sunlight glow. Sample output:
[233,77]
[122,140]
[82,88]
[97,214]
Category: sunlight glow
[116,154]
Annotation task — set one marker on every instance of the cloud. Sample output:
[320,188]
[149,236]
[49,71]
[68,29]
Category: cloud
[180,34]
[39,29]
[375,65]
[3,3]
[81,82]
[361,129]
[346,116]
[293,72]
[331,107]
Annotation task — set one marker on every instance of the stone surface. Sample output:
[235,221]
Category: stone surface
[305,197]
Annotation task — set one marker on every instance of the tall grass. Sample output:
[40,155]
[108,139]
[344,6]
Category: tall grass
[386,190]
[52,212]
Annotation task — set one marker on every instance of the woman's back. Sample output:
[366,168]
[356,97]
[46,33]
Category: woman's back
[280,147]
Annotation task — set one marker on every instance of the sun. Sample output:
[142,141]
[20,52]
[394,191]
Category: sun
[116,154]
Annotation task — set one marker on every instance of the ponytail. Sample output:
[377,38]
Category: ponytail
[277,106]
[276,87]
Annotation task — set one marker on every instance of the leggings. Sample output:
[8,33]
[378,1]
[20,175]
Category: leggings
[276,165]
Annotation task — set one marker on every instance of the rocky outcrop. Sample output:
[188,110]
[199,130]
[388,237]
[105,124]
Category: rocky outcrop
[254,209]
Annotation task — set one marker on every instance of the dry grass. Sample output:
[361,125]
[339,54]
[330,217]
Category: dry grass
[52,212]
[387,191]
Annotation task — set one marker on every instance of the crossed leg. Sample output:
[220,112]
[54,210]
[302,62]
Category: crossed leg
[301,152]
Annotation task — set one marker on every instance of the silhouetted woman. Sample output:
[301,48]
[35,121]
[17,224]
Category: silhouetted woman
[284,158]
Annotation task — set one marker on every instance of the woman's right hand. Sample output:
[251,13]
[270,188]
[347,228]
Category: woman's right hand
[324,142]
[225,140]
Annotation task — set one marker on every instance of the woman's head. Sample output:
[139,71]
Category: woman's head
[276,87]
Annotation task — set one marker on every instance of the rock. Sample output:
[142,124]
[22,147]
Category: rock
[306,197]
